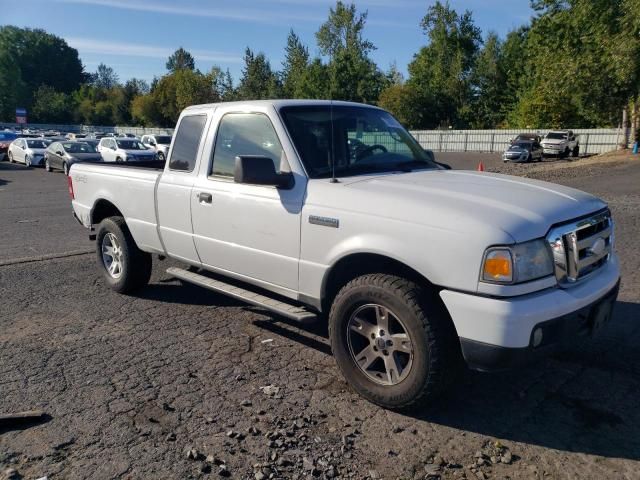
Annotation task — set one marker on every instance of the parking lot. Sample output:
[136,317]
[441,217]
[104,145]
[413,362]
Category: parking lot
[167,383]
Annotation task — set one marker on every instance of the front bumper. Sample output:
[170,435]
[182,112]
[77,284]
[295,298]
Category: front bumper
[500,333]
[553,151]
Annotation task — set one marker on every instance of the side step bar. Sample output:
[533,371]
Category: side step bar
[288,310]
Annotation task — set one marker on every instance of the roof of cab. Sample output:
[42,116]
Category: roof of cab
[278,103]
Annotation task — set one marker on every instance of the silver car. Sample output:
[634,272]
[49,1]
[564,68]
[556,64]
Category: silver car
[29,151]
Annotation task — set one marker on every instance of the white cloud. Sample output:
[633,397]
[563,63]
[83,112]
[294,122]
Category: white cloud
[266,15]
[90,45]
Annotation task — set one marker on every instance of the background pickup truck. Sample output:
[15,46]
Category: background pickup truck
[562,143]
[332,211]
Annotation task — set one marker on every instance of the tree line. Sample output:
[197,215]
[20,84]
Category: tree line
[576,63]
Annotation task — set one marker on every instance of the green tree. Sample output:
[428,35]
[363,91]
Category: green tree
[50,106]
[105,77]
[440,72]
[40,59]
[295,64]
[180,60]
[352,74]
[399,99]
[314,82]
[488,82]
[258,80]
[11,86]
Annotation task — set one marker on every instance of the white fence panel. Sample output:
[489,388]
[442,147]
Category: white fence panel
[591,141]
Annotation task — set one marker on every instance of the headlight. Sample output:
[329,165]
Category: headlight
[518,263]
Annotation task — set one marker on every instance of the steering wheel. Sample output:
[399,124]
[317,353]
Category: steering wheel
[367,151]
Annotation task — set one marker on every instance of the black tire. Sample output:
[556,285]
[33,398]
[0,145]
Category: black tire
[161,156]
[436,356]
[576,151]
[136,264]
[118,160]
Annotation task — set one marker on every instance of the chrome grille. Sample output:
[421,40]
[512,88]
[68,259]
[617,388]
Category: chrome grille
[581,247]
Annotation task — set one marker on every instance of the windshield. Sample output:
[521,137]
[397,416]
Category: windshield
[521,146]
[79,147]
[163,139]
[37,144]
[365,140]
[557,135]
[130,144]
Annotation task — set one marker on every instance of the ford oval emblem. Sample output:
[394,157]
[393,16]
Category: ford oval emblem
[598,247]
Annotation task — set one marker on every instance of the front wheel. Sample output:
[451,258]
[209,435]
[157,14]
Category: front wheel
[27,161]
[47,165]
[392,341]
[161,156]
[576,151]
[65,169]
[11,159]
[125,267]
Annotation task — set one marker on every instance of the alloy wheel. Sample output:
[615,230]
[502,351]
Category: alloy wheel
[380,344]
[112,255]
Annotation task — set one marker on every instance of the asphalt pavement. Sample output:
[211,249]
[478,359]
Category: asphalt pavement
[169,383]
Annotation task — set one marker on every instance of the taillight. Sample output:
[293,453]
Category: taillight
[70,184]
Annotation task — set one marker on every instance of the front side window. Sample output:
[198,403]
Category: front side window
[245,134]
[130,145]
[185,148]
[352,141]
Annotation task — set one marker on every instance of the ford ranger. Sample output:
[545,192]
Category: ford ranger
[331,211]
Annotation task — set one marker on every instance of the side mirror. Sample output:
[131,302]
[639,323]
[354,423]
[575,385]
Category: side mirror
[444,165]
[59,153]
[153,144]
[258,170]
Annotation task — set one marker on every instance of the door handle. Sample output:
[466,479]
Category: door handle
[204,197]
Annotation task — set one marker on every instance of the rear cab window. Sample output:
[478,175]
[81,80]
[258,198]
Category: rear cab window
[187,141]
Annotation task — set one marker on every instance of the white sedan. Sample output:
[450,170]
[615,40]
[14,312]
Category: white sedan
[29,151]
[124,150]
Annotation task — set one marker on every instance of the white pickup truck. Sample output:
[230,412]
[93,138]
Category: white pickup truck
[331,210]
[562,143]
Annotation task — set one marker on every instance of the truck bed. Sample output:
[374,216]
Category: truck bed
[130,188]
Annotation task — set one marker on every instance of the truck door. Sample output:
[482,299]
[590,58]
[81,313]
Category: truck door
[251,231]
[173,197]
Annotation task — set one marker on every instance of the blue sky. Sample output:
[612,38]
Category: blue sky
[135,37]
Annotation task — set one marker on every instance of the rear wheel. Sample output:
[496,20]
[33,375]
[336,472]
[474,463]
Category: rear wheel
[125,267]
[392,341]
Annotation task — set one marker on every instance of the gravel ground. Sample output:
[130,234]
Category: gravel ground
[171,383]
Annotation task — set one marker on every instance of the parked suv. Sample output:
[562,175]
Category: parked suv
[561,143]
[159,143]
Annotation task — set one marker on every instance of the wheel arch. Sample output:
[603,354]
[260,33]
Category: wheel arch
[102,209]
[354,265]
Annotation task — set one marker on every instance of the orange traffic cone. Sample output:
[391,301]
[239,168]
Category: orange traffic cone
[481,167]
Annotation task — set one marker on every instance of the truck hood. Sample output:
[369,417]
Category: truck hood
[465,201]
[554,141]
